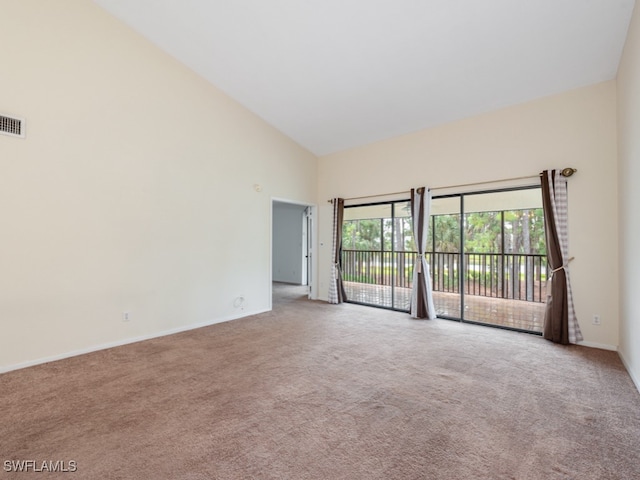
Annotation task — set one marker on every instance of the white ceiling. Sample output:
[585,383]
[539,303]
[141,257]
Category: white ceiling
[335,74]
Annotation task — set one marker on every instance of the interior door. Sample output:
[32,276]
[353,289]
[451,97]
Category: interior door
[308,228]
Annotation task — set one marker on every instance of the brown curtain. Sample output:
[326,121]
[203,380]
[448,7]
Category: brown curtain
[560,323]
[422,305]
[337,293]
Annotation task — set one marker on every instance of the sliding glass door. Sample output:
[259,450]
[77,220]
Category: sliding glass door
[488,258]
[486,251]
[378,253]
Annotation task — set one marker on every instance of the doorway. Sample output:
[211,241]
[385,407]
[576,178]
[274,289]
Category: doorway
[292,241]
[378,253]
[486,252]
[488,258]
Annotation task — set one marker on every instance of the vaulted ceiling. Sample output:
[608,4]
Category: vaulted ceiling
[336,74]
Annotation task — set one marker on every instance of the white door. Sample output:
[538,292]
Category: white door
[307,238]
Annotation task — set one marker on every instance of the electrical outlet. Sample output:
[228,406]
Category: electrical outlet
[596,320]
[126,316]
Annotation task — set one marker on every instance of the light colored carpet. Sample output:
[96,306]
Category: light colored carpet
[316,391]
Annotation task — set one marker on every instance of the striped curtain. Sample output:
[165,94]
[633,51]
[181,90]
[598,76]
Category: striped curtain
[336,287]
[560,322]
[422,305]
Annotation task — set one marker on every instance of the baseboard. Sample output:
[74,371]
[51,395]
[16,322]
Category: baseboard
[601,346]
[127,341]
[633,376]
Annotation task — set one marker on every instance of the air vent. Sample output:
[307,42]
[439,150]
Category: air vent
[12,126]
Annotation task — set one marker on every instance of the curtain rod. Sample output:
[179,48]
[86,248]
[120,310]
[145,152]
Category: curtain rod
[566,172]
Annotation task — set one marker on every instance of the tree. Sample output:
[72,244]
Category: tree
[446,229]
[361,234]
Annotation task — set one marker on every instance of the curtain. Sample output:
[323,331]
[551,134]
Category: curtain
[421,296]
[560,322]
[336,287]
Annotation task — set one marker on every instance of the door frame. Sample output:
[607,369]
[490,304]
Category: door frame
[309,247]
[392,204]
[462,250]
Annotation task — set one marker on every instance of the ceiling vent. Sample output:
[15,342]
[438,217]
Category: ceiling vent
[12,126]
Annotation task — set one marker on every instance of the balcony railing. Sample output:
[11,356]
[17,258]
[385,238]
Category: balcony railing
[501,275]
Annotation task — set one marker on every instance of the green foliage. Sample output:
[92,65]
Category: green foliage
[498,249]
[372,234]
[446,229]
[523,233]
[483,232]
[362,234]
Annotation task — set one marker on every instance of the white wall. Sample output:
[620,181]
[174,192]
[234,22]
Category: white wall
[287,243]
[575,129]
[132,191]
[629,197]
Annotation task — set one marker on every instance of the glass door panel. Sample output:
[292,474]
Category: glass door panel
[504,259]
[403,254]
[378,254]
[444,256]
[488,258]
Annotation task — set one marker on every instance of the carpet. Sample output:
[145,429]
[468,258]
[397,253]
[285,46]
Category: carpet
[317,391]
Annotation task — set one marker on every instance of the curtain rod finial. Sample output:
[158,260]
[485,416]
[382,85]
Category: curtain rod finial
[567,172]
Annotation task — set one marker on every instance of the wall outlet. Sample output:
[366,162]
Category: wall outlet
[126,316]
[596,320]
